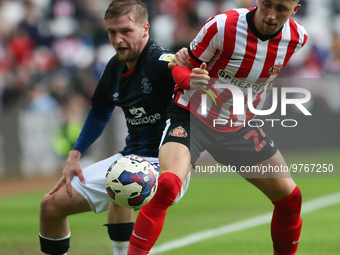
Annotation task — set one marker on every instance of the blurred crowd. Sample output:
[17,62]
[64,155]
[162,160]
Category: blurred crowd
[52,52]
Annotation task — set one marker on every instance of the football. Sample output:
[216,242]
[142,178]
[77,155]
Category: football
[131,181]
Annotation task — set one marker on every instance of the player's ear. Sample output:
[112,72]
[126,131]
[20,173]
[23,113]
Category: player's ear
[296,8]
[146,28]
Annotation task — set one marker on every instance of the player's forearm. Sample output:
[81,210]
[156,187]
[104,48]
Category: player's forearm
[94,126]
[181,76]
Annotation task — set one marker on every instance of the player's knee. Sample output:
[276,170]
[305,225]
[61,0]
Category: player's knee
[117,213]
[295,202]
[49,208]
[290,205]
[169,186]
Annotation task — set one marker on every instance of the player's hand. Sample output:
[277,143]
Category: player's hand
[72,168]
[199,77]
[181,58]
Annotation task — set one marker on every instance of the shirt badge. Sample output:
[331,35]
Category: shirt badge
[275,70]
[166,57]
[178,132]
[146,86]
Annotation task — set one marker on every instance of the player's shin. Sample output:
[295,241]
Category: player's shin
[151,218]
[286,224]
[49,246]
[120,235]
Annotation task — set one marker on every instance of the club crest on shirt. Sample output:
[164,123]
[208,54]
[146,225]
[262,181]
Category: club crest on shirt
[146,86]
[178,132]
[275,70]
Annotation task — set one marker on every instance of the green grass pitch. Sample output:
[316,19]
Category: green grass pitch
[209,203]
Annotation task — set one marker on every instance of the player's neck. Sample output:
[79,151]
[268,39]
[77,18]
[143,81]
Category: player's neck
[256,21]
[131,65]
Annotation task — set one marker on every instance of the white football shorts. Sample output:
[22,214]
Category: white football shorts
[94,190]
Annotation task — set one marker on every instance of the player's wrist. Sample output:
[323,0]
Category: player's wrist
[74,154]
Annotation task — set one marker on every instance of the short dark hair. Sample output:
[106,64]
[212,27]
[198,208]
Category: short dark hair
[118,8]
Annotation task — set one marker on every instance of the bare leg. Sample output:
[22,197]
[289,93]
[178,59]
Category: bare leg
[175,158]
[54,210]
[275,186]
[118,214]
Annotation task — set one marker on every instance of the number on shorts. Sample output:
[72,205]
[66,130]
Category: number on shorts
[258,145]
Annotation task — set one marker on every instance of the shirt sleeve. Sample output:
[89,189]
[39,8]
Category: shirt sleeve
[93,127]
[160,75]
[208,40]
[102,96]
[159,66]
[181,76]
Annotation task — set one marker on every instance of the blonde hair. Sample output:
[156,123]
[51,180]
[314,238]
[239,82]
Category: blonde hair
[118,8]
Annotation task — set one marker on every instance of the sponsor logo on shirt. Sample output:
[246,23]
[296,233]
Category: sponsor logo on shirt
[240,83]
[137,111]
[141,118]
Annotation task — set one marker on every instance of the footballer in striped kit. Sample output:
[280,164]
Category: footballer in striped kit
[245,49]
[239,55]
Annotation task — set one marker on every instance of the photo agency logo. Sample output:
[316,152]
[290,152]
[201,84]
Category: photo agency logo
[298,97]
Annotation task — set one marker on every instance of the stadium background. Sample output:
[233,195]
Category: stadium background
[52,53]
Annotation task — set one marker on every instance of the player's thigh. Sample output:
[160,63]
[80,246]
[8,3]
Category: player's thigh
[174,155]
[175,158]
[275,184]
[94,190]
[61,204]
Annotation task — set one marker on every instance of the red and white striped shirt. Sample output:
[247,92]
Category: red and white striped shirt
[237,54]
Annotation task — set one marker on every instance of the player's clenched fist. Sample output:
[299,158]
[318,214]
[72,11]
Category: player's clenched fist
[199,77]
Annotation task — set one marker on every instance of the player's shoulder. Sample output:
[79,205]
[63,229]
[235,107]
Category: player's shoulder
[293,32]
[233,14]
[236,12]
[154,47]
[157,53]
[112,67]
[240,11]
[156,50]
[114,61]
[298,25]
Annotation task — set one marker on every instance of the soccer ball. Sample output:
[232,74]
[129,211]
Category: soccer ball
[131,181]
